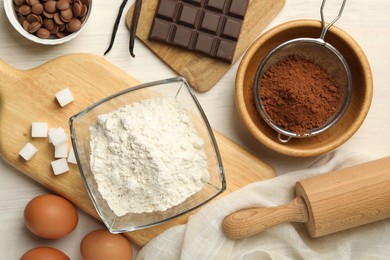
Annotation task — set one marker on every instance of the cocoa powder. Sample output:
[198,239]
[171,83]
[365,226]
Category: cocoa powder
[298,95]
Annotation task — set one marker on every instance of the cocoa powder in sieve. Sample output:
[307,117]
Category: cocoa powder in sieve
[298,95]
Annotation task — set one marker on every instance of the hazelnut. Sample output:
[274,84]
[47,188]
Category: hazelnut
[24,10]
[84,10]
[33,18]
[57,19]
[43,33]
[50,6]
[60,34]
[19,2]
[32,2]
[55,29]
[48,24]
[63,5]
[37,9]
[25,25]
[47,14]
[33,27]
[74,25]
[77,9]
[66,15]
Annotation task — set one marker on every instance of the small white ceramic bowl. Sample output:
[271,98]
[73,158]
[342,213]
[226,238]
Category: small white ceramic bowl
[13,18]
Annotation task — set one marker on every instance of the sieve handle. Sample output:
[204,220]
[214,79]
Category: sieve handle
[325,29]
[283,138]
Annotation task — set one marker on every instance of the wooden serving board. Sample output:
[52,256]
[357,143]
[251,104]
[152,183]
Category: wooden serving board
[201,71]
[28,96]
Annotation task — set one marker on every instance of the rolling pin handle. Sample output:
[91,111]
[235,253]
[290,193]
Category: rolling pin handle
[248,222]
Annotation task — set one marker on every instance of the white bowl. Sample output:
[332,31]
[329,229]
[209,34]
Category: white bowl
[12,17]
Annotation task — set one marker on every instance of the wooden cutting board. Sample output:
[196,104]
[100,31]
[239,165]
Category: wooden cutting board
[196,68]
[28,96]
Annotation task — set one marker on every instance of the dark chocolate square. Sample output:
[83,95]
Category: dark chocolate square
[161,30]
[226,50]
[216,4]
[194,2]
[204,43]
[188,15]
[182,36]
[238,8]
[210,22]
[166,9]
[232,28]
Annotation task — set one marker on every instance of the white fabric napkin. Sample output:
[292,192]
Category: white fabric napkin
[202,237]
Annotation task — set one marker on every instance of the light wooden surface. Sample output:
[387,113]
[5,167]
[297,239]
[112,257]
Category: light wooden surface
[367,21]
[28,96]
[197,67]
[326,204]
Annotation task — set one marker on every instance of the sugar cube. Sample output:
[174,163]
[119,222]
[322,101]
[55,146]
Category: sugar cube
[28,151]
[71,156]
[57,136]
[60,166]
[39,129]
[61,150]
[64,97]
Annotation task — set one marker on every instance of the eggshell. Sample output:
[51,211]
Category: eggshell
[44,253]
[102,245]
[50,216]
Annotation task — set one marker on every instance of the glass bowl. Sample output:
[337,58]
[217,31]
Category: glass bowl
[178,89]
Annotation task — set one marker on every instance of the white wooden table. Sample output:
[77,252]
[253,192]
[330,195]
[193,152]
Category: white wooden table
[367,21]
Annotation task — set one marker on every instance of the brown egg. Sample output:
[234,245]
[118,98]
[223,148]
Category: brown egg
[44,253]
[102,245]
[50,216]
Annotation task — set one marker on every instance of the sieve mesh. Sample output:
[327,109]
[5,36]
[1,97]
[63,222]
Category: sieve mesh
[321,53]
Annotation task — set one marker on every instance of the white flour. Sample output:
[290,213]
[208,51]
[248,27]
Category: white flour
[147,156]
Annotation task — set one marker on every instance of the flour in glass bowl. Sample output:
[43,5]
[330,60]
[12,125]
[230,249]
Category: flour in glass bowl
[147,156]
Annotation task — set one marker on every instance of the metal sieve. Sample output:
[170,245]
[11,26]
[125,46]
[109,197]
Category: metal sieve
[321,53]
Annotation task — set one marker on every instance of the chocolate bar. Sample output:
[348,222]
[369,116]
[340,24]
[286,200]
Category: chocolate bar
[211,27]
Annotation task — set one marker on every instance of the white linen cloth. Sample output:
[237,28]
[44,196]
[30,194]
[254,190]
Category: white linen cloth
[202,237]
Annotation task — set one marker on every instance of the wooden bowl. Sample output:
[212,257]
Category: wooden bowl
[362,89]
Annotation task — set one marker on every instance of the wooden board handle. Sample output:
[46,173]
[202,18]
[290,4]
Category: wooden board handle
[248,222]
[6,69]
[6,73]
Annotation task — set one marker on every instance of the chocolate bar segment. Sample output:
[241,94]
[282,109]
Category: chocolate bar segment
[161,30]
[166,9]
[210,22]
[238,8]
[216,4]
[188,15]
[210,27]
[231,29]
[182,37]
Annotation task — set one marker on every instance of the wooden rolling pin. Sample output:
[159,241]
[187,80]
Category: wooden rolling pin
[326,203]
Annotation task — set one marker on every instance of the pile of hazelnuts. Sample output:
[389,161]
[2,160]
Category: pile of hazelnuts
[51,18]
